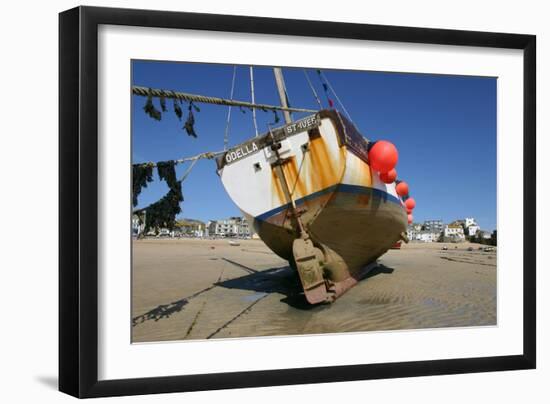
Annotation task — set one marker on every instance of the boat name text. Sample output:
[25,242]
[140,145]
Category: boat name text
[305,124]
[250,147]
[241,152]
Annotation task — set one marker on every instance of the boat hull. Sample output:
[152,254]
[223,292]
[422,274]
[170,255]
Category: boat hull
[349,214]
[358,223]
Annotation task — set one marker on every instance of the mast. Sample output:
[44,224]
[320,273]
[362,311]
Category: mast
[280,81]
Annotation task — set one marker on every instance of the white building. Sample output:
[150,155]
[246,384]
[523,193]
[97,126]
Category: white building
[231,227]
[454,231]
[411,234]
[472,230]
[433,226]
[412,231]
[191,228]
[427,236]
[485,234]
[470,226]
[138,225]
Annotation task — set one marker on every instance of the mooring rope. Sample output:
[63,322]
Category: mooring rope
[155,92]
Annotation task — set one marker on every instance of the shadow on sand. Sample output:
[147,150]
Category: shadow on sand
[282,280]
[285,281]
[166,310]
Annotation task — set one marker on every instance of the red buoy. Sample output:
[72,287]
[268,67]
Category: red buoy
[383,156]
[402,189]
[410,203]
[410,218]
[409,211]
[389,177]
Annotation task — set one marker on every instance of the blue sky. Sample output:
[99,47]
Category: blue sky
[443,126]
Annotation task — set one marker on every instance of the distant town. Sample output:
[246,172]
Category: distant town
[434,231]
[232,227]
[431,231]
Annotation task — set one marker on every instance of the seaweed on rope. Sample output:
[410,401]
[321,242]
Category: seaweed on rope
[142,174]
[160,214]
[150,109]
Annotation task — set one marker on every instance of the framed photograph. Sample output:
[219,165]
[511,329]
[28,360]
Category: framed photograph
[251,202]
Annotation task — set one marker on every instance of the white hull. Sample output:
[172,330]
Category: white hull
[345,204]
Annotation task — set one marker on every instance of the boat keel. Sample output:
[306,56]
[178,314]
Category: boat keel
[321,272]
[308,259]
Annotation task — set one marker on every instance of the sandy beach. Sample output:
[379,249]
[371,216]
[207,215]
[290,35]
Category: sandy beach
[200,289]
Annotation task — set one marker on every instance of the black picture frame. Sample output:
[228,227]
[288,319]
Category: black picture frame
[78,201]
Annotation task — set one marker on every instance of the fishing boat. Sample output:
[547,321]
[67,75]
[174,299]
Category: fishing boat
[311,194]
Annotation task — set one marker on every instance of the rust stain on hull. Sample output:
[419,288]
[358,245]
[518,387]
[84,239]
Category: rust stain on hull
[293,176]
[319,170]
[363,200]
[278,193]
[321,165]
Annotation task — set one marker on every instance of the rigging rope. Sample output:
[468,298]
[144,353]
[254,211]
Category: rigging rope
[155,92]
[188,171]
[286,93]
[337,98]
[226,135]
[253,100]
[206,155]
[313,90]
[296,180]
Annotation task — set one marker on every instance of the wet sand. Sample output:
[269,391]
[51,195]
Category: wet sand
[199,289]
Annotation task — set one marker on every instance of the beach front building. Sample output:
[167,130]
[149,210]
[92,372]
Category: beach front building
[428,236]
[433,226]
[138,225]
[191,228]
[415,233]
[232,227]
[454,232]
[412,232]
[486,235]
[472,230]
[470,227]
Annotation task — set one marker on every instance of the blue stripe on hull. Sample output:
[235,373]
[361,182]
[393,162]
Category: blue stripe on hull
[346,188]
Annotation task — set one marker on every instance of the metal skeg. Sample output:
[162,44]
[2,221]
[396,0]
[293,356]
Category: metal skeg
[197,98]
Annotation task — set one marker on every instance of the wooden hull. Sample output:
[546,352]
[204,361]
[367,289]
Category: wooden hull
[358,223]
[347,210]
